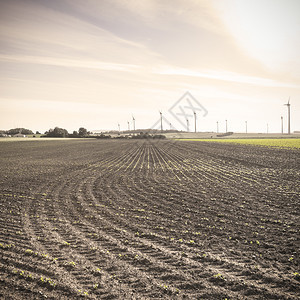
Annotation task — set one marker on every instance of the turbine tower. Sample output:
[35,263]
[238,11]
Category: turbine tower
[195,116]
[128,126]
[217,126]
[161,127]
[187,125]
[281,124]
[246,122]
[133,120]
[119,127]
[289,116]
[226,125]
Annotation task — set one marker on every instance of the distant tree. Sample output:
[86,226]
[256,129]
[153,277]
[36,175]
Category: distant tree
[148,136]
[103,136]
[37,132]
[57,132]
[82,132]
[19,130]
[74,134]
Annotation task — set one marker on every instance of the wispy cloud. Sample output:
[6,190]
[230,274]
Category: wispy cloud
[71,63]
[225,76]
[161,70]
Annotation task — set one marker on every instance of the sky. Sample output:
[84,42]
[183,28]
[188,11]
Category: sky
[98,63]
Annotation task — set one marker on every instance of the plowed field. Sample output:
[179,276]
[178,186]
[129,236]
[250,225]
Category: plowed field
[125,219]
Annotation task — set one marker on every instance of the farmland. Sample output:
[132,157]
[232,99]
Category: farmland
[275,142]
[138,219]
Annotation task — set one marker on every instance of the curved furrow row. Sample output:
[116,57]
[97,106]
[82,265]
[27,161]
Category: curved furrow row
[142,219]
[56,237]
[150,262]
[39,226]
[146,233]
[228,204]
[107,216]
[114,245]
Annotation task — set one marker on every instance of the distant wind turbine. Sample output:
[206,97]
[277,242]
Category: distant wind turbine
[128,125]
[195,116]
[187,125]
[133,120]
[161,126]
[289,116]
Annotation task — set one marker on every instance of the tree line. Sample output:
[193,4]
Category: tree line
[61,132]
[16,131]
[56,132]
[81,133]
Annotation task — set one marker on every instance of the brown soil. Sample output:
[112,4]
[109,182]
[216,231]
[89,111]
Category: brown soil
[148,219]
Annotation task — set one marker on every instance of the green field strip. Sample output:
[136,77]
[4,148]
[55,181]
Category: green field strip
[279,143]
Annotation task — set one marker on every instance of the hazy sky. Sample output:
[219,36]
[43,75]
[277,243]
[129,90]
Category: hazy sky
[95,63]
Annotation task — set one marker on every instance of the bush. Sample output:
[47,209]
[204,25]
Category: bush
[19,130]
[159,136]
[103,136]
[57,132]
[148,136]
[82,132]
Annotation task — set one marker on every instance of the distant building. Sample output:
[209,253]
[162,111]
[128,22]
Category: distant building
[20,135]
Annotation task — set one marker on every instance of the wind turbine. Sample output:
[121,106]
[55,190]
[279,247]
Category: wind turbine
[281,124]
[246,122]
[133,120]
[226,125]
[289,116]
[195,116]
[217,126]
[119,127]
[128,126]
[161,127]
[187,125]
